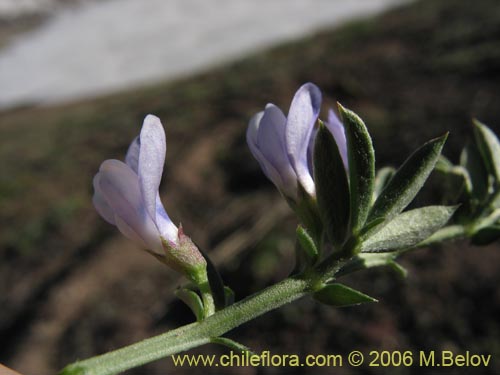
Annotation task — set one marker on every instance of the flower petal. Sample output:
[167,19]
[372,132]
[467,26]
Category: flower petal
[337,129]
[252,138]
[100,203]
[151,161]
[271,142]
[253,130]
[252,134]
[128,232]
[302,117]
[120,188]
[132,157]
[167,228]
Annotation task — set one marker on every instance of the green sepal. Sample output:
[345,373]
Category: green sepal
[332,188]
[408,229]
[407,181]
[307,245]
[476,183]
[489,146]
[361,158]
[382,178]
[229,296]
[193,300]
[340,295]
[486,235]
[307,211]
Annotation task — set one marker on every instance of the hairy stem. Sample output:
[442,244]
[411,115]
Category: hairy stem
[220,322]
[192,335]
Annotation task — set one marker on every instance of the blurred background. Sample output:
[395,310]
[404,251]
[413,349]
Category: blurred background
[77,78]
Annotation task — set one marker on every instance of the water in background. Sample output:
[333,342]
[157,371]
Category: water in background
[99,47]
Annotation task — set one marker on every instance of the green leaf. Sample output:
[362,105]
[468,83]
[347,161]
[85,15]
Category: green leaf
[340,295]
[486,235]
[193,300]
[215,282]
[407,181]
[361,167]
[408,229]
[477,174]
[489,146]
[382,178]
[307,244]
[332,189]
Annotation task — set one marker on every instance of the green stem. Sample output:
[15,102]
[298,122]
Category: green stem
[194,334]
[207,297]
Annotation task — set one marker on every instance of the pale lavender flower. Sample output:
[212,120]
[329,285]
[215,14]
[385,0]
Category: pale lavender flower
[126,195]
[283,145]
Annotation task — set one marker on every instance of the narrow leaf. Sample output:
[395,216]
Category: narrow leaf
[340,295]
[361,159]
[193,300]
[477,174]
[489,146]
[407,181]
[486,235]
[307,244]
[332,189]
[382,178]
[408,229]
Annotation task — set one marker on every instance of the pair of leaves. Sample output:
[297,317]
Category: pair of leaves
[362,204]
